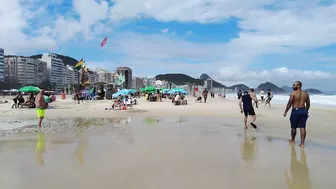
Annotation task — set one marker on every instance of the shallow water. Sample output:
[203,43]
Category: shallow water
[176,152]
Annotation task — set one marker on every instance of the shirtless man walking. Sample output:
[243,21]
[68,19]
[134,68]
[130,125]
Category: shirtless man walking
[41,105]
[299,101]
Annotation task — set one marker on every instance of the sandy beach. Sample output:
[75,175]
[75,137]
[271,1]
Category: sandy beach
[158,145]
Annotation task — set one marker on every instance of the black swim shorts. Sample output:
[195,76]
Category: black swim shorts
[298,118]
[248,112]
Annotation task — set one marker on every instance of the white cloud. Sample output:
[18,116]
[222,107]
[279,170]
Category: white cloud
[166,30]
[288,27]
[14,19]
[189,33]
[281,76]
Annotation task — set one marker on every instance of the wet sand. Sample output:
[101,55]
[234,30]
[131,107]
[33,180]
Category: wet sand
[162,152]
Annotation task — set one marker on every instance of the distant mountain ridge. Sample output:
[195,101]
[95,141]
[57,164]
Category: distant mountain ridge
[310,90]
[183,79]
[67,60]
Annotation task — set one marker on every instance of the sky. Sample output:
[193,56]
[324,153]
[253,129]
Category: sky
[233,41]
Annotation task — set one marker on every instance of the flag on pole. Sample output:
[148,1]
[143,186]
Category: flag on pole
[79,65]
[103,43]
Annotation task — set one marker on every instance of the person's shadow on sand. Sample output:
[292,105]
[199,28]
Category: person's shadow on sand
[299,171]
[248,148]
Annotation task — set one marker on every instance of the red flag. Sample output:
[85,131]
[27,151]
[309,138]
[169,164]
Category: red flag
[103,42]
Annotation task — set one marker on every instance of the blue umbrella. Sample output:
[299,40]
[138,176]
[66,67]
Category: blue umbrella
[174,91]
[122,93]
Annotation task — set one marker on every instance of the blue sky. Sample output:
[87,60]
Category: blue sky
[234,41]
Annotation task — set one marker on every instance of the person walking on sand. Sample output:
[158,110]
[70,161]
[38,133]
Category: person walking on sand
[299,101]
[262,94]
[41,105]
[239,94]
[245,105]
[254,96]
[205,95]
[269,98]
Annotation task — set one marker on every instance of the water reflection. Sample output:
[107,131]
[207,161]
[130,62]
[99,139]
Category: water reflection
[299,172]
[150,120]
[40,148]
[82,146]
[248,147]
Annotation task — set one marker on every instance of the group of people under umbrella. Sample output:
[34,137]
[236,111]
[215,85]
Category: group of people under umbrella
[20,102]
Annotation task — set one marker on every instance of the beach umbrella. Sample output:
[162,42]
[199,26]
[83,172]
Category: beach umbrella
[149,89]
[122,93]
[29,89]
[165,90]
[180,90]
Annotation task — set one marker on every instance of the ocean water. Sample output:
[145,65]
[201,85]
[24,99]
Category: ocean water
[316,100]
[165,153]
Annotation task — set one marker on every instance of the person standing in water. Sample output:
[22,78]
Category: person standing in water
[245,104]
[299,101]
[262,94]
[41,105]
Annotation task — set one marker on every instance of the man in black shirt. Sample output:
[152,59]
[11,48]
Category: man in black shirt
[239,94]
[269,98]
[245,104]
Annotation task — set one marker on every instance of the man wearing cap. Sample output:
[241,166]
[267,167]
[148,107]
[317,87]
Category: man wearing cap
[245,104]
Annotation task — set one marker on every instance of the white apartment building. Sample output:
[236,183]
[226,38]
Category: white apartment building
[93,77]
[137,82]
[55,70]
[104,75]
[70,76]
[2,68]
[25,71]
[208,84]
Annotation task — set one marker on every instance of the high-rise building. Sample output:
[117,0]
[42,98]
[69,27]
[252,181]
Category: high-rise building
[25,71]
[104,76]
[127,72]
[2,68]
[55,70]
[137,82]
[208,84]
[70,76]
[93,77]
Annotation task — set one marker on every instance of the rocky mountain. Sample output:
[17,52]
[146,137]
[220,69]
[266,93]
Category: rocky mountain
[287,89]
[182,79]
[313,91]
[205,76]
[272,86]
[66,59]
[240,87]
[310,91]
